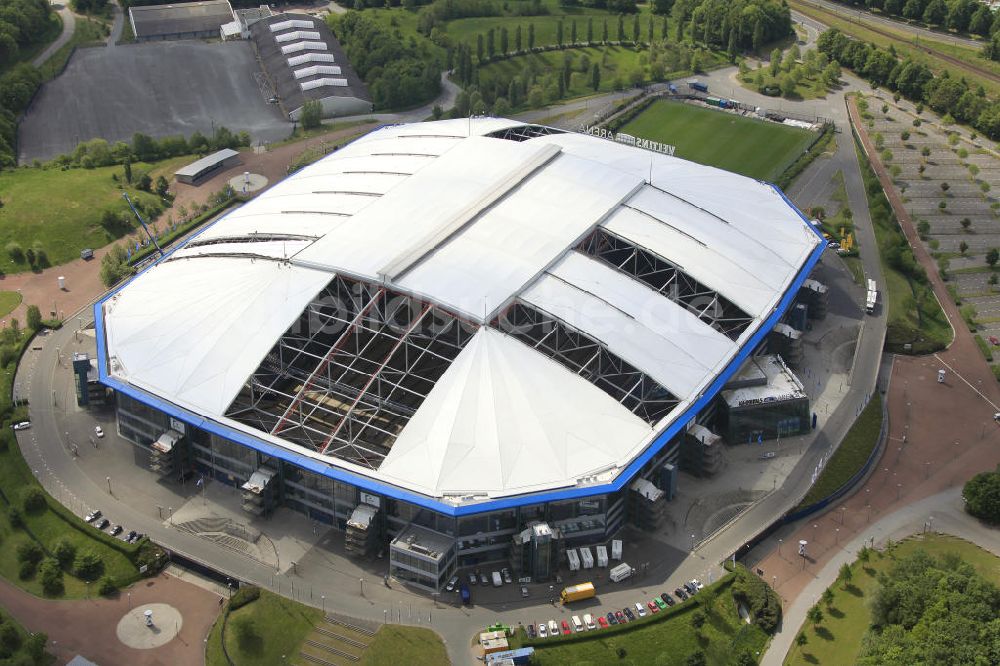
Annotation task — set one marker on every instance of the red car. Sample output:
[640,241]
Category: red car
[620,617]
[994,341]
[653,608]
[601,621]
[565,626]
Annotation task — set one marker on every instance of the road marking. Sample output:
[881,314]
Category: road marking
[956,373]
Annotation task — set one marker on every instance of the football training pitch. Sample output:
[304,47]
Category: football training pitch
[754,148]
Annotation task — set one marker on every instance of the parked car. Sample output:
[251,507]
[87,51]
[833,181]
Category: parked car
[543,631]
[612,619]
[483,579]
[116,530]
[565,627]
[138,535]
[130,537]
[640,610]
[661,604]
[531,631]
[629,614]
[653,608]
[681,594]
[23,425]
[588,621]
[505,572]
[697,584]
[524,592]
[102,523]
[473,579]
[451,584]
[99,431]
[994,340]
[553,628]
[93,515]
[667,598]
[601,620]
[691,589]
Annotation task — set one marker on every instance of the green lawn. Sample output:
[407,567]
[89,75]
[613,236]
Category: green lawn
[846,621]
[8,301]
[851,454]
[750,147]
[422,647]
[280,624]
[662,641]
[61,225]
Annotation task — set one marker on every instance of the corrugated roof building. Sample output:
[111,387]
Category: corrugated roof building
[184,20]
[304,61]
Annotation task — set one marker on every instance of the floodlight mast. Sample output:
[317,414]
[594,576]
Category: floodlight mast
[143,223]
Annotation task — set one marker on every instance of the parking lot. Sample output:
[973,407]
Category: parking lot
[160,89]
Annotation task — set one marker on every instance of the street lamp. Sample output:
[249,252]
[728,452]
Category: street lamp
[362,586]
[323,599]
[779,547]
[843,510]
[109,485]
[899,487]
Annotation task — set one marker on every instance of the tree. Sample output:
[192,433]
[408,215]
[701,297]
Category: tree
[65,552]
[992,257]
[559,33]
[89,566]
[846,574]
[963,247]
[312,114]
[15,252]
[982,496]
[864,555]
[162,186]
[34,317]
[696,659]
[621,27]
[504,39]
[636,37]
[604,32]
[531,36]
[145,183]
[51,576]
[815,616]
[801,639]
[945,186]
[746,658]
[127,167]
[517,39]
[828,597]
[595,76]
[936,12]
[775,65]
[33,500]
[29,551]
[966,223]
[10,639]
[590,30]
[698,619]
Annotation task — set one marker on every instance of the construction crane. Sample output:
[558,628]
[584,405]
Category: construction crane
[143,223]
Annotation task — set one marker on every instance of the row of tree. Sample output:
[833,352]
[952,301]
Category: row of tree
[398,73]
[967,16]
[732,25]
[22,24]
[144,148]
[915,81]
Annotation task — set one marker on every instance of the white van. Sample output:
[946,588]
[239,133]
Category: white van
[577,625]
[640,609]
[589,621]
[497,580]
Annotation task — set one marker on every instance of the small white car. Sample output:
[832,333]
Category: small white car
[23,425]
[451,583]
[640,609]
[99,431]
[553,628]
[542,631]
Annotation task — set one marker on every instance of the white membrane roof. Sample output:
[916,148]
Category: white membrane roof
[474,224]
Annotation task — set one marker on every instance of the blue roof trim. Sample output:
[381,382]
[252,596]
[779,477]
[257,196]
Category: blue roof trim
[375,486]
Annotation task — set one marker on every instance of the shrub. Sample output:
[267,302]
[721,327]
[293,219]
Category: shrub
[89,566]
[26,570]
[759,598]
[15,252]
[107,586]
[64,552]
[15,516]
[51,576]
[33,500]
[982,496]
[243,596]
[29,551]
[10,639]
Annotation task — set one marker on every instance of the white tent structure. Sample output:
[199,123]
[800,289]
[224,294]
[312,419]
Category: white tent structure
[466,309]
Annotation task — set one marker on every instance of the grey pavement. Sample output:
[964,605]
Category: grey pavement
[942,512]
[117,25]
[68,28]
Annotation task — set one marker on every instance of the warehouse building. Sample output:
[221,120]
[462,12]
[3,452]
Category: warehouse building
[182,20]
[303,61]
[474,338]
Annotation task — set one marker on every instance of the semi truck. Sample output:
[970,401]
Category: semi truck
[871,298]
[695,84]
[577,593]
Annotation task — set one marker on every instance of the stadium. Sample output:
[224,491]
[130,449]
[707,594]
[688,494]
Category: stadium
[462,341]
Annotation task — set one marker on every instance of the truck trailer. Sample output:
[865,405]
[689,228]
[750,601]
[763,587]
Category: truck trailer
[619,573]
[577,592]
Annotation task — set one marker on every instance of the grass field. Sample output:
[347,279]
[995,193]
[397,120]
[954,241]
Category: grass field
[839,638]
[851,454]
[422,647]
[61,225]
[8,301]
[666,642]
[753,148]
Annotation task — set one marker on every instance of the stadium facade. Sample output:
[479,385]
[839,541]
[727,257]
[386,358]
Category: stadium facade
[462,341]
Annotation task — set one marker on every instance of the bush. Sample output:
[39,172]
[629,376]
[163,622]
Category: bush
[26,570]
[982,496]
[243,596]
[10,639]
[107,586]
[51,575]
[15,252]
[89,566]
[33,500]
[763,603]
[29,551]
[64,552]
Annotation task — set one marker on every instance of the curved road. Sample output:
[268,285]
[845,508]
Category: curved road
[68,28]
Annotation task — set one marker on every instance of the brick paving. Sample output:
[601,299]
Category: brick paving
[88,627]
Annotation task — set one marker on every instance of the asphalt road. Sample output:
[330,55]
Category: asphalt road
[68,28]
